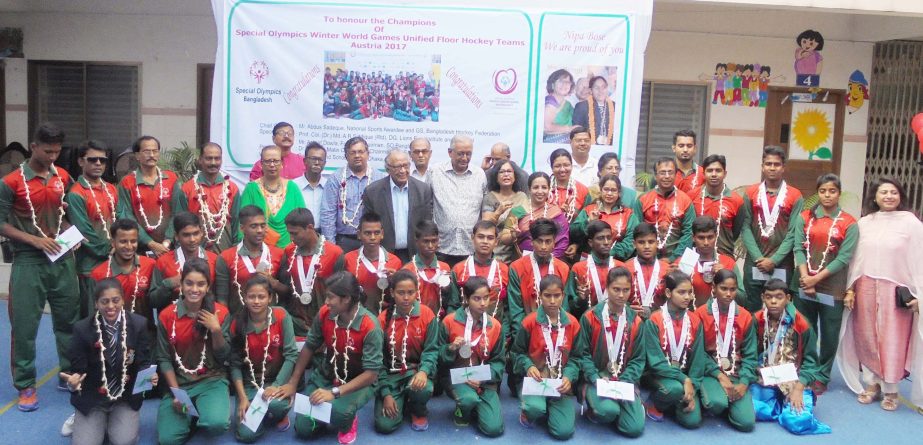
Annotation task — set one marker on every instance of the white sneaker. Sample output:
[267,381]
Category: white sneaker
[68,428]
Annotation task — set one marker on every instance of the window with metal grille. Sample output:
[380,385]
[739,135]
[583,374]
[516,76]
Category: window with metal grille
[897,79]
[87,100]
[665,109]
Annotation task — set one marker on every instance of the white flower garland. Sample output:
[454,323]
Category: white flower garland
[306,287]
[732,356]
[265,352]
[179,360]
[570,201]
[214,222]
[25,184]
[339,380]
[768,221]
[104,389]
[556,365]
[349,221]
[807,243]
[393,343]
[661,242]
[159,184]
[99,209]
[544,211]
[493,270]
[667,350]
[134,292]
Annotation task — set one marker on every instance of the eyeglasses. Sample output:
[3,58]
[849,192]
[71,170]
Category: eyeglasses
[419,152]
[285,133]
[271,161]
[97,160]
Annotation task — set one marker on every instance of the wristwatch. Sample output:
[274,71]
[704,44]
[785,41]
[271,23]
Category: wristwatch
[336,392]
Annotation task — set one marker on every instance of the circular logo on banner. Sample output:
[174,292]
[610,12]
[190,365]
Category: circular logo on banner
[259,71]
[505,81]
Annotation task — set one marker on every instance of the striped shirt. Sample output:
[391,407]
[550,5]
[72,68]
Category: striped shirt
[456,206]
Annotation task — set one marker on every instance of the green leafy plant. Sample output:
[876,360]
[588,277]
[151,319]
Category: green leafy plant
[644,181]
[180,160]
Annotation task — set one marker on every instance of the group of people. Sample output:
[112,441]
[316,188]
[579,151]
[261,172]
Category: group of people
[444,278]
[588,102]
[374,95]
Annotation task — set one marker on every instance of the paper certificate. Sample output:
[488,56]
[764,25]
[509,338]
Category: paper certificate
[255,413]
[825,299]
[143,381]
[688,260]
[183,397]
[615,390]
[545,388]
[758,275]
[67,240]
[774,375]
[480,373]
[320,413]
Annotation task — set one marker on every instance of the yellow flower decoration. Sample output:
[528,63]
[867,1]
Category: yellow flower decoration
[811,128]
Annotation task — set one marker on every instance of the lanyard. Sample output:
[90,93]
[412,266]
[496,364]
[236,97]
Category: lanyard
[181,257]
[724,341]
[646,290]
[676,348]
[594,278]
[553,349]
[537,277]
[612,348]
[382,259]
[264,258]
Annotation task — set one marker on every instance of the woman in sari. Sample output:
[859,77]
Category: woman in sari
[499,200]
[881,339]
[516,228]
[558,110]
[275,195]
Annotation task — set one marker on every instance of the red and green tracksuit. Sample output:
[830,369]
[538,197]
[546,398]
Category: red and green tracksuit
[622,221]
[154,207]
[647,270]
[208,387]
[330,261]
[628,416]
[136,284]
[522,296]
[197,189]
[167,267]
[279,359]
[529,350]
[231,274]
[440,300]
[365,341]
[33,279]
[713,397]
[777,246]
[484,401]
[92,209]
[579,275]
[825,320]
[699,286]
[691,180]
[731,216]
[498,287]
[673,215]
[420,330]
[368,280]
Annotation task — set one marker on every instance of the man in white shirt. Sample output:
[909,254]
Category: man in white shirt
[585,167]
[312,182]
[457,195]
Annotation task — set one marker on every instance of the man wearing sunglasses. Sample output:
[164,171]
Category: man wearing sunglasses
[91,206]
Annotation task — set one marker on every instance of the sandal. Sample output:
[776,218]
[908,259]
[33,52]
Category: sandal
[869,395]
[890,402]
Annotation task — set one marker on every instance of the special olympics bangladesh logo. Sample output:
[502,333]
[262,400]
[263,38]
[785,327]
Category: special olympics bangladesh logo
[505,81]
[259,70]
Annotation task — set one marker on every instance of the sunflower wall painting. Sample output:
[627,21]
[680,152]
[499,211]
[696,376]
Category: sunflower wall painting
[812,131]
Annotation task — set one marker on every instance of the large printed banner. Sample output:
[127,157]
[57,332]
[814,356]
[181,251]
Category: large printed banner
[518,72]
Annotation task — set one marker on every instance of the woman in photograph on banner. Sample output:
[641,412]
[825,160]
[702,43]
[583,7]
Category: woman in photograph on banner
[882,338]
[558,110]
[597,113]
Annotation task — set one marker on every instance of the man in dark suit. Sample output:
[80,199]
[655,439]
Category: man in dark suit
[402,202]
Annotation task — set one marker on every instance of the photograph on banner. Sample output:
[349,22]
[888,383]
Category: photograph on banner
[571,93]
[402,87]
[389,74]
[582,72]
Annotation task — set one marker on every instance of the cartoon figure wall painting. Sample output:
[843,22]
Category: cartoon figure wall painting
[809,63]
[741,84]
[857,90]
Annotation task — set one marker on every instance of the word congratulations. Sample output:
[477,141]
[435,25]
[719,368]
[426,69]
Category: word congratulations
[464,87]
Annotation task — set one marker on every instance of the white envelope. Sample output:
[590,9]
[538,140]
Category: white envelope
[143,381]
[688,261]
[774,375]
[758,275]
[67,240]
[615,390]
[299,345]
[818,297]
[545,388]
[255,413]
[320,413]
[480,373]
[183,397]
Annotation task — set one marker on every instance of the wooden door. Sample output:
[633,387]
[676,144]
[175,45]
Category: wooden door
[810,129]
